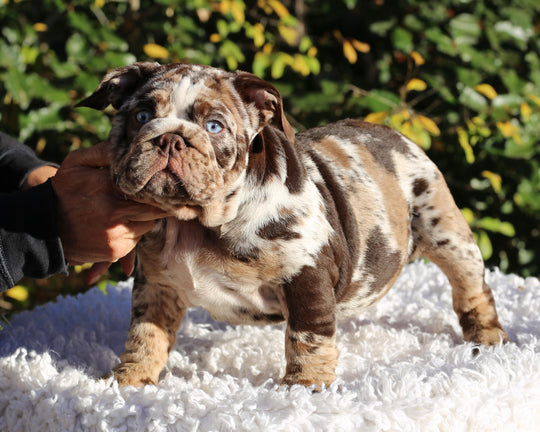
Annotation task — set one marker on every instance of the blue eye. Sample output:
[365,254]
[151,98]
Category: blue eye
[144,116]
[214,127]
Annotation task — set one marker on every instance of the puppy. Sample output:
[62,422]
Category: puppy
[268,225]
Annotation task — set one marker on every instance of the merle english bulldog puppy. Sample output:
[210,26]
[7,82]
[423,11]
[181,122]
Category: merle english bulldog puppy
[267,226]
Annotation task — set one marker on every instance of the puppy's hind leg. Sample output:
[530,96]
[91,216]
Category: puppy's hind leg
[443,236]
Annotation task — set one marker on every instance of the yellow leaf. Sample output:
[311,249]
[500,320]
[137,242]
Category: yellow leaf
[18,292]
[468,215]
[377,117]
[494,179]
[525,111]
[225,6]
[349,52]
[487,90]
[535,99]
[258,38]
[267,48]
[288,33]
[99,3]
[506,128]
[312,52]
[429,125]
[463,138]
[300,65]
[40,27]
[416,84]
[238,12]
[155,51]
[417,58]
[215,38]
[279,8]
[361,46]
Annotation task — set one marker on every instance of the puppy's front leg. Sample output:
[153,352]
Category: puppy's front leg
[155,319]
[310,344]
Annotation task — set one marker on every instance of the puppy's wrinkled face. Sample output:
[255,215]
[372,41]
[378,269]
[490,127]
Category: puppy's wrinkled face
[182,134]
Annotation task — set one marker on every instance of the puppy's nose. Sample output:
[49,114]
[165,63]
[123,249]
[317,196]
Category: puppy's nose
[170,141]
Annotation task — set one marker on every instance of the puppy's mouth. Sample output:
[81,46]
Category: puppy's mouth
[169,170]
[168,164]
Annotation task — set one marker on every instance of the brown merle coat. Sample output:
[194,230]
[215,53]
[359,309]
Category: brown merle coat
[267,226]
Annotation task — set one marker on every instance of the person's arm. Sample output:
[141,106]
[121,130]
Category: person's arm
[17,163]
[30,244]
[76,217]
[29,240]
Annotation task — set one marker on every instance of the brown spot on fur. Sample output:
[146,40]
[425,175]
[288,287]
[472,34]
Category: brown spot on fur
[381,262]
[420,185]
[333,151]
[279,229]
[310,299]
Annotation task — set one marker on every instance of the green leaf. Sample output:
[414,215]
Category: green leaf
[402,39]
[472,99]
[465,29]
[484,243]
[381,100]
[381,28]
[496,225]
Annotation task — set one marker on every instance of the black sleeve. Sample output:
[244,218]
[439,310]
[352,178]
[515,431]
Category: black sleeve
[29,240]
[16,161]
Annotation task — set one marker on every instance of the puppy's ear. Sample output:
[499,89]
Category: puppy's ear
[266,99]
[118,85]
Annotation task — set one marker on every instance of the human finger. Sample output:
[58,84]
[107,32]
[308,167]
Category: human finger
[96,271]
[95,156]
[128,262]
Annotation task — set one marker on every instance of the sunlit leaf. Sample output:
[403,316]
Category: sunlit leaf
[155,51]
[18,292]
[526,111]
[40,27]
[494,179]
[535,99]
[349,52]
[487,90]
[416,85]
[498,226]
[237,10]
[417,58]
[468,215]
[484,243]
[429,125]
[463,138]
[288,33]
[378,117]
[279,8]
[506,128]
[361,46]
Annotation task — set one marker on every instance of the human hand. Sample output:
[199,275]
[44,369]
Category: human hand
[96,224]
[39,175]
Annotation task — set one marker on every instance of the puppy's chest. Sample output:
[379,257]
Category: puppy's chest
[192,264]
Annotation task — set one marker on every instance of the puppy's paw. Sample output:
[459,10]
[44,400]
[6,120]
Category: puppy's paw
[307,380]
[487,336]
[133,374]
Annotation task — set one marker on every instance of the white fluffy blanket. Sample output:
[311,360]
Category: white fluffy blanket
[403,367]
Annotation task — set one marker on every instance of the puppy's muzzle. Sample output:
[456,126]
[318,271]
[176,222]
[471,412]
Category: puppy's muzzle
[171,143]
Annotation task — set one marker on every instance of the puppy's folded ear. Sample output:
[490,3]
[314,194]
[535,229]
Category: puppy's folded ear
[118,85]
[266,99]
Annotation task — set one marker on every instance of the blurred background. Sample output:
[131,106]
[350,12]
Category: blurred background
[459,77]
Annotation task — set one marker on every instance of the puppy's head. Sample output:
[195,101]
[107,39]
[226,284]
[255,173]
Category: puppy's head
[182,136]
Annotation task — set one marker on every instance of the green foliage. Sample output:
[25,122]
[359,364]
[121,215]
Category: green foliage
[460,77]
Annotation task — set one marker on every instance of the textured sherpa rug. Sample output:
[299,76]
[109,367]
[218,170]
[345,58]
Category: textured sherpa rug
[403,367]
